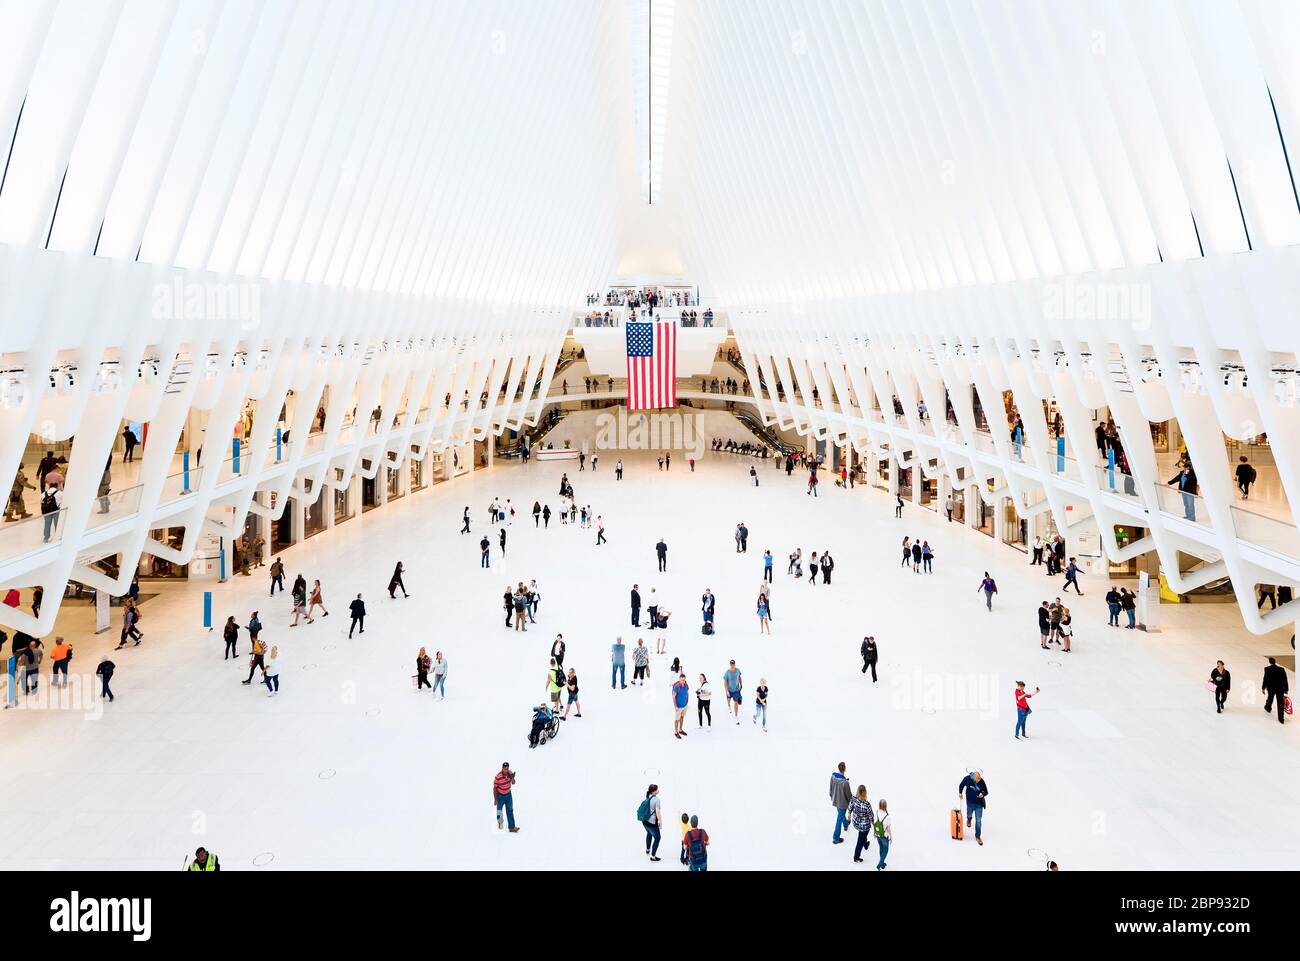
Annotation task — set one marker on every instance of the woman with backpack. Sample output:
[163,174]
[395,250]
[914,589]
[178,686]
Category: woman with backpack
[649,813]
[884,831]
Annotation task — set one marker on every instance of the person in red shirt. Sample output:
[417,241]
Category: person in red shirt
[1022,708]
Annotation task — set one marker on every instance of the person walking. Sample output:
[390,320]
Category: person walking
[703,702]
[395,582]
[870,656]
[277,575]
[618,470]
[358,610]
[316,602]
[681,698]
[465,519]
[422,664]
[600,527]
[557,650]
[763,626]
[546,517]
[862,818]
[1037,551]
[105,673]
[299,596]
[636,606]
[734,684]
[640,662]
[1023,709]
[1072,577]
[708,604]
[503,797]
[828,565]
[840,793]
[537,514]
[256,661]
[767,566]
[760,703]
[989,587]
[695,846]
[650,814]
[439,686]
[230,633]
[60,658]
[898,505]
[1245,477]
[571,689]
[1221,679]
[947,507]
[130,617]
[502,541]
[884,831]
[129,442]
[1276,687]
[907,552]
[271,672]
[653,609]
[618,667]
[661,551]
[976,791]
[814,566]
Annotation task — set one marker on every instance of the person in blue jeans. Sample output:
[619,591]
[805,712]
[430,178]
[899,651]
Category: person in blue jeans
[1187,485]
[884,831]
[502,797]
[696,846]
[618,665]
[976,791]
[1112,605]
[841,793]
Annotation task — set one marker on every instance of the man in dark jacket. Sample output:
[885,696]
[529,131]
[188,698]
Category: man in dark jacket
[1275,686]
[976,790]
[661,550]
[1222,679]
[1185,481]
[105,672]
[636,607]
[840,794]
[358,609]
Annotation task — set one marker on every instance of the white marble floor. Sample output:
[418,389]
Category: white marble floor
[1128,765]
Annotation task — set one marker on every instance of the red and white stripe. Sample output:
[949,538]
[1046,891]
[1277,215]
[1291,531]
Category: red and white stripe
[652,381]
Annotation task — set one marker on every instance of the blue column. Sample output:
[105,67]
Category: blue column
[279,445]
[12,670]
[234,457]
[1110,466]
[207,609]
[1060,454]
[1018,437]
[221,556]
[185,472]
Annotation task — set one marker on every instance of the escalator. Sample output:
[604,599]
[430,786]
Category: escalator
[765,435]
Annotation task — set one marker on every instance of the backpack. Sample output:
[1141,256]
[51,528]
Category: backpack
[643,810]
[695,848]
[707,629]
[879,827]
[48,504]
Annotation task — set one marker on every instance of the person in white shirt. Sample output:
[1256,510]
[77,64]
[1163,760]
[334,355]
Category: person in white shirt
[51,504]
[884,830]
[271,672]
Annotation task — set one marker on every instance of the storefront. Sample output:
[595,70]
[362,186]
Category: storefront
[1015,530]
[150,566]
[959,505]
[930,493]
[905,481]
[1124,536]
[984,515]
[342,499]
[281,529]
[313,514]
[394,481]
[880,478]
[480,454]
[369,490]
[417,472]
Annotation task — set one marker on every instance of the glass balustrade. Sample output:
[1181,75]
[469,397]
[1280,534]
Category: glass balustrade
[114,506]
[180,484]
[1270,533]
[40,530]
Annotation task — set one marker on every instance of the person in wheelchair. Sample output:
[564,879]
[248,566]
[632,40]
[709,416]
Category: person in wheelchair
[542,720]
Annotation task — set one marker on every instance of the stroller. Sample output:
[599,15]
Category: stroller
[546,726]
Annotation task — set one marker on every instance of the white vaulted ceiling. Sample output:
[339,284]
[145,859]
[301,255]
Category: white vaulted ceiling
[845,148]
[501,151]
[468,149]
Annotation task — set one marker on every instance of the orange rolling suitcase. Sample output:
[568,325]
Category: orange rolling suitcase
[954,825]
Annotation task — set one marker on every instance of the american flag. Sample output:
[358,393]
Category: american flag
[651,365]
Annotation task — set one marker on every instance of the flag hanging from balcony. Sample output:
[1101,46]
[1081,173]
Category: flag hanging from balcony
[651,365]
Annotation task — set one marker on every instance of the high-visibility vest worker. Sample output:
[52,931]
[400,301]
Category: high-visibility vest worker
[203,861]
